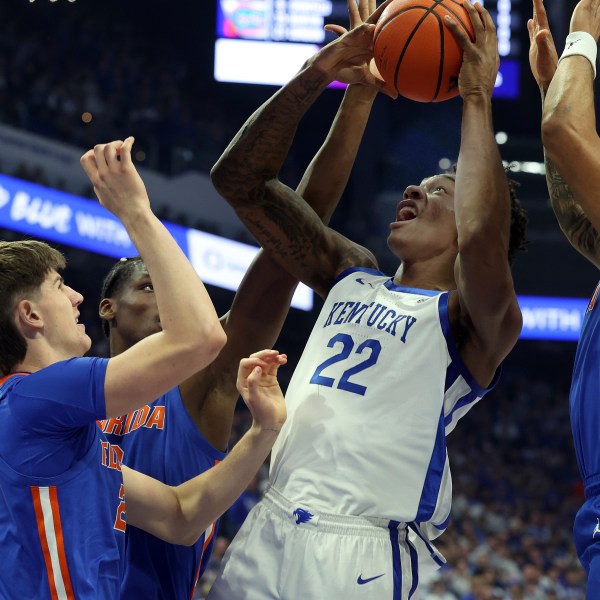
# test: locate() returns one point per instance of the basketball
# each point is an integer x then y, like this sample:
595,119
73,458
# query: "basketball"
416,53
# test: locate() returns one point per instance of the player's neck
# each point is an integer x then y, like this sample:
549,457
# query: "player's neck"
425,276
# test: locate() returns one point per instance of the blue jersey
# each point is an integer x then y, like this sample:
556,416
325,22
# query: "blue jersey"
62,509
585,398
162,441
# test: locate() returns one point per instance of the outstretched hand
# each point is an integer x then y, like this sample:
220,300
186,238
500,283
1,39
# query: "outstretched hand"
350,58
116,182
480,58
543,58
257,383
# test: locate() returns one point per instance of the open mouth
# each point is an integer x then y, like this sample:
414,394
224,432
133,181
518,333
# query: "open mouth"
407,210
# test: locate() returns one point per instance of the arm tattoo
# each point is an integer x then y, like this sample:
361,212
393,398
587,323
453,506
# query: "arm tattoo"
571,218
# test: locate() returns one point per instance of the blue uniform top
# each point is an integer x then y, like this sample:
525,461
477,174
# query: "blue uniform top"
162,441
585,398
62,510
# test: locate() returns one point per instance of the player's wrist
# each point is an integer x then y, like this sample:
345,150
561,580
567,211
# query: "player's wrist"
581,43
266,430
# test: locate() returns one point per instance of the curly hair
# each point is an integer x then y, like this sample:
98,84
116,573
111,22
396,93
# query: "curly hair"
518,218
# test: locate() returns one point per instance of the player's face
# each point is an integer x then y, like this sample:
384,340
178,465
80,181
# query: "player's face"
57,304
425,222
136,312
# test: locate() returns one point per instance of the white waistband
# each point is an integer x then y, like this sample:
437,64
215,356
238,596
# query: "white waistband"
301,513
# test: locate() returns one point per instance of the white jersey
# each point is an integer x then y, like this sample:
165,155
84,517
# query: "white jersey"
379,385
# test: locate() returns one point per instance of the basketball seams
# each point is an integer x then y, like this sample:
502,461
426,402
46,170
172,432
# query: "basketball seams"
406,45
396,51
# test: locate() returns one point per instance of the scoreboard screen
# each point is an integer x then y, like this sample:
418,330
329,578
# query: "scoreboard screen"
267,41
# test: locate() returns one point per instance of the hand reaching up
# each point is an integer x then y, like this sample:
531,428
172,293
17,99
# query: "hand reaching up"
257,383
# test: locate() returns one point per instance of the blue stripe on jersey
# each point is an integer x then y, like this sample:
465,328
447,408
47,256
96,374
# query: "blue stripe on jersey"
432,552
396,566
457,364
466,399
414,566
351,270
433,478
390,285
441,526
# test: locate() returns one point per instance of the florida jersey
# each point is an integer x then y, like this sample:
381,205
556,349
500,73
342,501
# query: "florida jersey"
379,385
162,441
62,506
585,391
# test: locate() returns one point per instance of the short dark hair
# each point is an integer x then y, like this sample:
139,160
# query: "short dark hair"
518,223
121,272
24,265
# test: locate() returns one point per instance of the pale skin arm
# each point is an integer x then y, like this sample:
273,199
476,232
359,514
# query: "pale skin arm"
486,309
179,515
570,140
246,174
191,335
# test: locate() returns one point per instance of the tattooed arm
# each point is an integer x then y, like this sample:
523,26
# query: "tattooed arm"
570,216
571,143
246,174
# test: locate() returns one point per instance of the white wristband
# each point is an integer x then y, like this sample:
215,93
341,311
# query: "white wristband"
581,43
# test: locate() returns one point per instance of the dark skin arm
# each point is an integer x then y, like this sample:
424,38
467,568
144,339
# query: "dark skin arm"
484,312
246,174
262,301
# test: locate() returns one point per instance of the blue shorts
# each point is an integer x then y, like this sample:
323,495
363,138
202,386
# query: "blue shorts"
586,531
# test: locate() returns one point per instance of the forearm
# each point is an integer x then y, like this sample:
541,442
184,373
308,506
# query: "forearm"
481,192
258,151
185,308
206,497
570,216
326,177
568,108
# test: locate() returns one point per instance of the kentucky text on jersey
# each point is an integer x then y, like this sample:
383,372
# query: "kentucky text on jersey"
380,316
147,416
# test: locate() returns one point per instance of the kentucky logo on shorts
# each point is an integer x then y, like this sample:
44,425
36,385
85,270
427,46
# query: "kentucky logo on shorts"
302,516
597,528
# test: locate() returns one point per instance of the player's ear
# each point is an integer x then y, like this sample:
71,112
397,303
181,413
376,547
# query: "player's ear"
28,315
107,309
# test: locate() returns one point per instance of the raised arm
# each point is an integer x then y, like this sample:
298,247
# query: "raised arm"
179,515
246,174
489,315
571,143
191,335
263,298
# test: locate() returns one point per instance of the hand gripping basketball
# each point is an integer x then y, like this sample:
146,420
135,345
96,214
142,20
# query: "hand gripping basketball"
414,50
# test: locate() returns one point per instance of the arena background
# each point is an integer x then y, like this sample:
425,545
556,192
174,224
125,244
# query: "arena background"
146,69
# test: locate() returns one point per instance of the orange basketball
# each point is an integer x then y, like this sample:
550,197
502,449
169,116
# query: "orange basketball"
414,50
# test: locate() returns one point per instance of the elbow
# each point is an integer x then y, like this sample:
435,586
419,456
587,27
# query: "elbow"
219,175
559,135
209,342
214,341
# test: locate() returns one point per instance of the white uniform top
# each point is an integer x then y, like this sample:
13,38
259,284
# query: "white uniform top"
379,385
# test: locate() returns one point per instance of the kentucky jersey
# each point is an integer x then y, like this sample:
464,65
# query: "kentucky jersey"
584,398
62,508
379,385
162,441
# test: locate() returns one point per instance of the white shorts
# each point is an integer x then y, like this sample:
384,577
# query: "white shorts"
287,551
